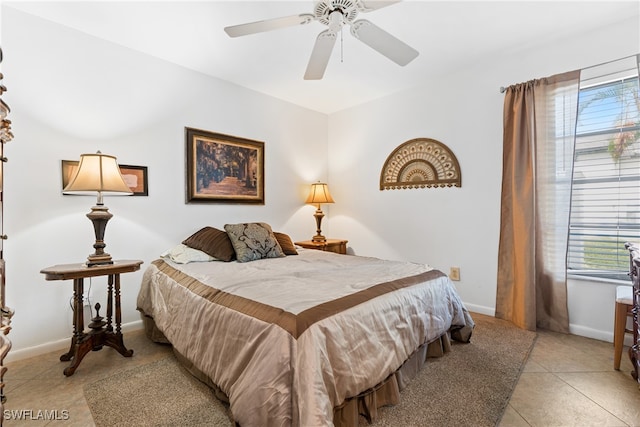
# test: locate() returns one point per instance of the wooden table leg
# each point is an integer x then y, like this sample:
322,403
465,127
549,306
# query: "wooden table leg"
114,339
81,344
109,302
69,355
80,351
78,319
118,306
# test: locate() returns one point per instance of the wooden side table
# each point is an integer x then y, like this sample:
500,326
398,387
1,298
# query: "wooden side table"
338,246
101,332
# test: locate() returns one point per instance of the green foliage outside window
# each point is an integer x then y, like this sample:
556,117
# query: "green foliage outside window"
606,253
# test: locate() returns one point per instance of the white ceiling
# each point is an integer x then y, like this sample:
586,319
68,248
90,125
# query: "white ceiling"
448,35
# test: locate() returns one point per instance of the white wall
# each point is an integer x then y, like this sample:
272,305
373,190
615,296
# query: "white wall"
70,94
456,226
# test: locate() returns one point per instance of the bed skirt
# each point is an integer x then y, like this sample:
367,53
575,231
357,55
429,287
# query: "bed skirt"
388,391
366,403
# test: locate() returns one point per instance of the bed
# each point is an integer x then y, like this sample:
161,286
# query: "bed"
294,336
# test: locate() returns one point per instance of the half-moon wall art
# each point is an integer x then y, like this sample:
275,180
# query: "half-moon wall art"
420,163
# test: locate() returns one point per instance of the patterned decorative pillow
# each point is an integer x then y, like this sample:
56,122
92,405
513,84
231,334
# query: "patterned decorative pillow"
253,241
285,243
213,242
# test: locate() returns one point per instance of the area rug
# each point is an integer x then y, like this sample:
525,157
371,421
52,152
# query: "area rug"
470,386
158,394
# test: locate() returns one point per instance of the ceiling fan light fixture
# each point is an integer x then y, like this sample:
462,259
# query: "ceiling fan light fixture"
336,21
325,8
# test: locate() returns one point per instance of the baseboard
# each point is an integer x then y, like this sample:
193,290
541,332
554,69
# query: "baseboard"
597,334
59,345
488,311
574,329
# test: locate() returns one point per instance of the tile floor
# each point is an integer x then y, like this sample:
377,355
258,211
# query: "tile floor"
567,381
570,381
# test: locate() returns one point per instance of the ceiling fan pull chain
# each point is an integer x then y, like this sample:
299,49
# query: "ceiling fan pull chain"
341,47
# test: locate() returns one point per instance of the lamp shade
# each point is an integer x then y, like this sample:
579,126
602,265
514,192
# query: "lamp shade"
98,172
319,194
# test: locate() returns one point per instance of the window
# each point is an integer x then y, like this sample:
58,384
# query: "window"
605,199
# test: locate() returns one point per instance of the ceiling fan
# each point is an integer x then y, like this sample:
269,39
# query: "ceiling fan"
336,14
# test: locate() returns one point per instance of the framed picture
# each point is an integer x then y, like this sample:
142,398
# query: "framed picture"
223,169
136,179
134,176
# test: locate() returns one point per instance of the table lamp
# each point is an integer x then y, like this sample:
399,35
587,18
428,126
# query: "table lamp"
98,173
319,194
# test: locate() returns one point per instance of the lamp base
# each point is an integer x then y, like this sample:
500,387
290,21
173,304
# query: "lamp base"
318,216
99,216
103,259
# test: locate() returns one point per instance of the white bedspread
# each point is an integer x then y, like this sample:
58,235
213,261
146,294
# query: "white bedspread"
282,337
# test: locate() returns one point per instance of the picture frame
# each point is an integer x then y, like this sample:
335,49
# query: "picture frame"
223,168
136,177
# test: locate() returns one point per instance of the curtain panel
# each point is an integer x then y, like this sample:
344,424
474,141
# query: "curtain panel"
538,142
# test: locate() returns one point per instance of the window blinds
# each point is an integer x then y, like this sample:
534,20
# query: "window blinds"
605,200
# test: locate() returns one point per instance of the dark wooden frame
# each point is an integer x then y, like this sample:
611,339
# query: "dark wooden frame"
223,169
143,181
634,275
140,171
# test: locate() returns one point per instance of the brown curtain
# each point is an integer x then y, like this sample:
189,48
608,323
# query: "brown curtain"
538,142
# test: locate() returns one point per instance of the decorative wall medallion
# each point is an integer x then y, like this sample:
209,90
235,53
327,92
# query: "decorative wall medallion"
420,163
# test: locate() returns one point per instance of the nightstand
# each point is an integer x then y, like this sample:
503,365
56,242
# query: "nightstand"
338,246
101,332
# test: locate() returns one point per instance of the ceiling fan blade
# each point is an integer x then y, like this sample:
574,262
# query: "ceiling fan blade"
368,6
320,55
268,25
383,42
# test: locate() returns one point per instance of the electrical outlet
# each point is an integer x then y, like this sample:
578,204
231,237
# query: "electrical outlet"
454,273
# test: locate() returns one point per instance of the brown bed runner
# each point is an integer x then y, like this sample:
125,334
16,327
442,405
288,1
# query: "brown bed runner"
293,324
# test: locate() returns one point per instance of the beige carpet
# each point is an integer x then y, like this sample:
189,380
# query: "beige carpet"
161,393
470,386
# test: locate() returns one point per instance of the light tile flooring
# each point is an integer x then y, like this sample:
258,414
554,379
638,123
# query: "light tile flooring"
567,381
570,381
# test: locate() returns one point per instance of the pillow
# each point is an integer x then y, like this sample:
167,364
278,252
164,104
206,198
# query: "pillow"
253,241
183,254
213,242
285,243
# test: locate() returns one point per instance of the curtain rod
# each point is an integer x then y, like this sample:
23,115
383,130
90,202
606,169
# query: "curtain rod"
503,89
